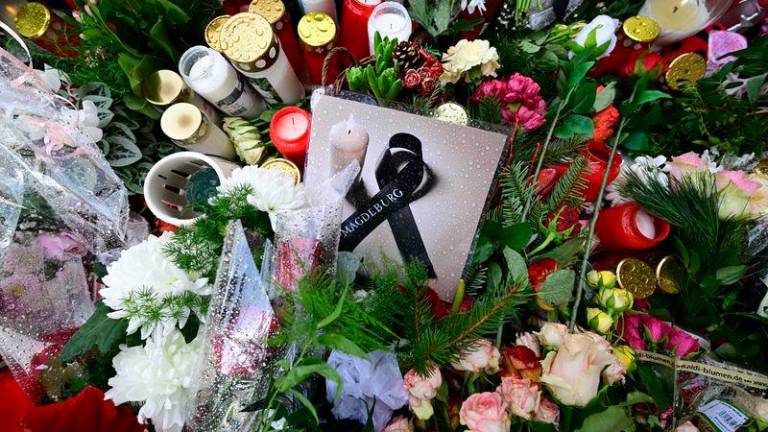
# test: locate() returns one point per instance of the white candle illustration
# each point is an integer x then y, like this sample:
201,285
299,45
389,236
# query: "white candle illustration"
325,6
349,142
211,76
389,19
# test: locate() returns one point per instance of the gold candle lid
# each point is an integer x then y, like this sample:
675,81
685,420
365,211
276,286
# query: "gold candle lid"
641,28
32,20
636,277
670,275
248,39
762,168
316,29
182,122
452,113
213,31
163,87
272,10
284,165
686,68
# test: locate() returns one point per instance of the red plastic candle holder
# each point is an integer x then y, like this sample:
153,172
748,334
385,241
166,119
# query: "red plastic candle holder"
354,25
617,229
289,131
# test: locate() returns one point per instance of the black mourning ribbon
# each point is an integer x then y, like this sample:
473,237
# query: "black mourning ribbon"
559,7
403,177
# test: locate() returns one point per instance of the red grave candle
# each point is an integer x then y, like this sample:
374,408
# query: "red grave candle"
317,32
289,131
354,25
628,227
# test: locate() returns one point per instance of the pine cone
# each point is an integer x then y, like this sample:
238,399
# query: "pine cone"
407,56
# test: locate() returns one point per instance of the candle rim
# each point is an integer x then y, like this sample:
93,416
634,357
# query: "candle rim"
387,8
283,112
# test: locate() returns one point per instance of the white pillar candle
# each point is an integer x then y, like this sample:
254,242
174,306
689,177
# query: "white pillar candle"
249,41
389,19
186,125
645,224
211,76
166,183
349,142
325,6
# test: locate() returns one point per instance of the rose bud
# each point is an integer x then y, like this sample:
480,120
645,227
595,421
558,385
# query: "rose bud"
599,321
521,362
626,356
615,300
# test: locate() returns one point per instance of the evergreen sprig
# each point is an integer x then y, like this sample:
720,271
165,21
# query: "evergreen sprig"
568,189
515,189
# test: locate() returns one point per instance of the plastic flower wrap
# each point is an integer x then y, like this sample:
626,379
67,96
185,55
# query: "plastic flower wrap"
47,152
308,238
238,325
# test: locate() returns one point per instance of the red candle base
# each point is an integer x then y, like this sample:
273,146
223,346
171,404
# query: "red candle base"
618,231
354,26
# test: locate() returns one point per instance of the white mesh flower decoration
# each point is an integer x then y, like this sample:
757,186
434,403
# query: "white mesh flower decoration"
271,190
163,375
146,287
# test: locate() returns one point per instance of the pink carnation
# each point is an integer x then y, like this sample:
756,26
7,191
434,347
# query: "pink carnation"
520,99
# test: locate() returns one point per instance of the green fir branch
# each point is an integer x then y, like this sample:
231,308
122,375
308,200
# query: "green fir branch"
516,189
568,189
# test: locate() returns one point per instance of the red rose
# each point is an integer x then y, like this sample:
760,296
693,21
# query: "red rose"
567,218
521,362
87,411
441,309
539,270
642,62
412,79
427,86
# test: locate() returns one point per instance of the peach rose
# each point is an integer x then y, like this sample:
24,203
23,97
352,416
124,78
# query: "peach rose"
737,191
399,424
485,412
482,356
552,335
685,164
547,412
572,372
521,395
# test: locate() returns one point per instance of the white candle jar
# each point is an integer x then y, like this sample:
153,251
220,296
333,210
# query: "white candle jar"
389,19
188,128
249,41
166,184
210,75
682,18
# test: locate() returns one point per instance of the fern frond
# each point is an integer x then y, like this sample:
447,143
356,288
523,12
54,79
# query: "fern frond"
568,189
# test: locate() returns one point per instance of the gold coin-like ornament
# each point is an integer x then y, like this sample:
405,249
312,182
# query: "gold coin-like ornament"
32,20
686,68
213,31
272,10
670,275
641,28
285,166
636,277
316,29
246,37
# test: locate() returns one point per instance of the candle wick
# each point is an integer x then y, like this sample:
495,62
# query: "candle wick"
349,131
293,121
674,10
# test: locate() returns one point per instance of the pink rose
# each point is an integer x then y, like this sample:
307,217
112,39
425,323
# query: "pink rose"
399,424
738,195
528,119
655,329
681,343
615,372
572,373
686,164
423,387
427,86
412,79
552,335
485,412
631,324
482,356
547,412
521,395
59,245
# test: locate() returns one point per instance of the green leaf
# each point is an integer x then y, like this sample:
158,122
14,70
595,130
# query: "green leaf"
557,288
529,47
307,404
517,236
159,35
613,419
584,98
578,74
655,384
341,343
636,397
100,331
637,141
298,374
336,312
605,98
442,17
731,274
649,96
575,125
516,264
754,86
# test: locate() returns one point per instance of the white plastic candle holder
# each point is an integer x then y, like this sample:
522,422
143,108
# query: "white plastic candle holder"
166,184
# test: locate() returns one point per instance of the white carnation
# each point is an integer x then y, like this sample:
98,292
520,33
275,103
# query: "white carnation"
146,287
163,375
272,190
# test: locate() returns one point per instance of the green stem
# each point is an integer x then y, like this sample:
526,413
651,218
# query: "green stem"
544,244
593,223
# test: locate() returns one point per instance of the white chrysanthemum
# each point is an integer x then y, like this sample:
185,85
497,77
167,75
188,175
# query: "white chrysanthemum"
272,190
146,287
467,55
645,168
163,375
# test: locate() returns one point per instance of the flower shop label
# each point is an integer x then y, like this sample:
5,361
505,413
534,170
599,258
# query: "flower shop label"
741,377
422,188
723,416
